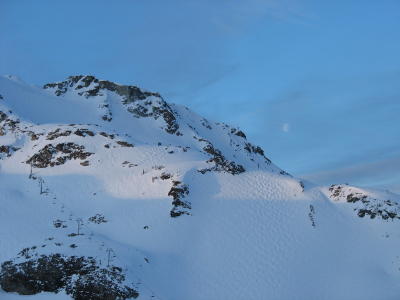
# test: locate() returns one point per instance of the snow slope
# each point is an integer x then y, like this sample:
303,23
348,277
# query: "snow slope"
187,208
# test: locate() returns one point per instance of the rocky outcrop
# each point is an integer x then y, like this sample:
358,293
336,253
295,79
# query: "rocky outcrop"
138,102
256,150
7,123
238,132
181,206
83,132
365,205
124,144
59,154
90,86
57,133
155,108
220,162
80,277
8,150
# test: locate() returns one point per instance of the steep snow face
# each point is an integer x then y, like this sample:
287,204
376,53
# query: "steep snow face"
157,202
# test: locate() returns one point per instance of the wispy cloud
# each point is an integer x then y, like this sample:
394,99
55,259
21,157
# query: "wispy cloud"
381,173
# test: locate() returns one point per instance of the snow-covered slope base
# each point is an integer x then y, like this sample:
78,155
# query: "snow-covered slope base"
109,192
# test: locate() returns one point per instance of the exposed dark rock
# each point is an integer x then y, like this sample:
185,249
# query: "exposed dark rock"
57,133
111,136
311,215
107,117
254,149
206,124
221,163
133,97
59,224
238,132
80,277
155,110
101,284
282,172
257,150
365,205
84,132
52,155
12,124
129,93
352,198
124,144
301,183
165,176
3,116
4,149
158,167
129,164
34,136
85,163
98,219
8,123
9,150
335,190
178,192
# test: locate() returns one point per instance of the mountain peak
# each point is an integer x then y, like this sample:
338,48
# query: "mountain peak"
90,86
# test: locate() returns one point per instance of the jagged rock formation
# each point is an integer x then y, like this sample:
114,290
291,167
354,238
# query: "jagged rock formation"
221,163
140,103
51,155
80,277
364,204
178,192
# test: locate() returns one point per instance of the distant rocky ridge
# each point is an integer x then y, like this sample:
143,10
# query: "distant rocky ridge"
136,101
364,204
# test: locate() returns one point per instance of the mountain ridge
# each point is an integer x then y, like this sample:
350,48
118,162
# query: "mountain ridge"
142,192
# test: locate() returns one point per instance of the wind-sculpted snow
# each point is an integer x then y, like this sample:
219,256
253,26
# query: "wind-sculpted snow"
147,199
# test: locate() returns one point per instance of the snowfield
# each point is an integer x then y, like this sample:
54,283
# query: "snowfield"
182,207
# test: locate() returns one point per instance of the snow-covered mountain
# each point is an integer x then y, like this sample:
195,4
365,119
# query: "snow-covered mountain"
108,191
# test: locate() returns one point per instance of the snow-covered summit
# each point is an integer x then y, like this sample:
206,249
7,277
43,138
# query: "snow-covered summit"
111,188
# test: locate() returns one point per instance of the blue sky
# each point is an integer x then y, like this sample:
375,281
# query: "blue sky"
315,83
